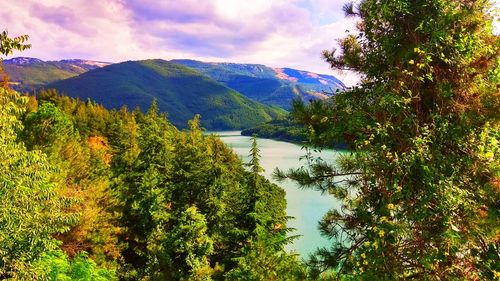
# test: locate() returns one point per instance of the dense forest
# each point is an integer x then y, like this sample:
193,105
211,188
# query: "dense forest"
88,193
94,194
101,195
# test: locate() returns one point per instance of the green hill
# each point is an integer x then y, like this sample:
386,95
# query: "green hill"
180,91
272,86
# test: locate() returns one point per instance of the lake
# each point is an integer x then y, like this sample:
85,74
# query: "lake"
306,206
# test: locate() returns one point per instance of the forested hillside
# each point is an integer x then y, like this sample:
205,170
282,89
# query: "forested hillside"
271,86
94,194
285,129
180,91
104,195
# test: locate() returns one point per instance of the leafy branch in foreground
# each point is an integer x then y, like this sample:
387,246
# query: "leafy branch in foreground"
8,44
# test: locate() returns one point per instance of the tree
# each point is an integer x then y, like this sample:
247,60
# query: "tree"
31,209
43,165
56,266
143,174
264,256
185,248
254,163
420,192
47,128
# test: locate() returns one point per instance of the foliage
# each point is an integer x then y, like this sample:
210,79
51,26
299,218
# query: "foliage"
420,193
32,210
46,126
88,193
83,175
140,197
8,44
56,266
188,247
179,171
285,130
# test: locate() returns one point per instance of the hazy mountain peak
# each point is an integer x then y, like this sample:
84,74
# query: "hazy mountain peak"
27,74
22,60
85,62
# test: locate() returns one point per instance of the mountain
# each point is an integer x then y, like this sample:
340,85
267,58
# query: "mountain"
28,74
180,91
226,83
272,86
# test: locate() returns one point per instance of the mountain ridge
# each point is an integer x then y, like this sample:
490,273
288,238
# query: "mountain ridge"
239,96
269,85
272,86
180,91
27,74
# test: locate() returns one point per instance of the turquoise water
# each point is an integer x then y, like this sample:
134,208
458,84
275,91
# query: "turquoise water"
307,206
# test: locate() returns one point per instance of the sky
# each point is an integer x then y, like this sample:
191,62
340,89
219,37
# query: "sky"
277,33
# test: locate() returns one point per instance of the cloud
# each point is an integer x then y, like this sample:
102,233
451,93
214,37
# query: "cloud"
62,16
187,11
279,33
215,28
89,29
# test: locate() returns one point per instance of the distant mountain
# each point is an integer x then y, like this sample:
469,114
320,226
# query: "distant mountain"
22,61
28,74
180,91
228,95
272,86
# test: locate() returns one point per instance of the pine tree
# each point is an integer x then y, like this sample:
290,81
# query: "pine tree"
420,192
254,164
